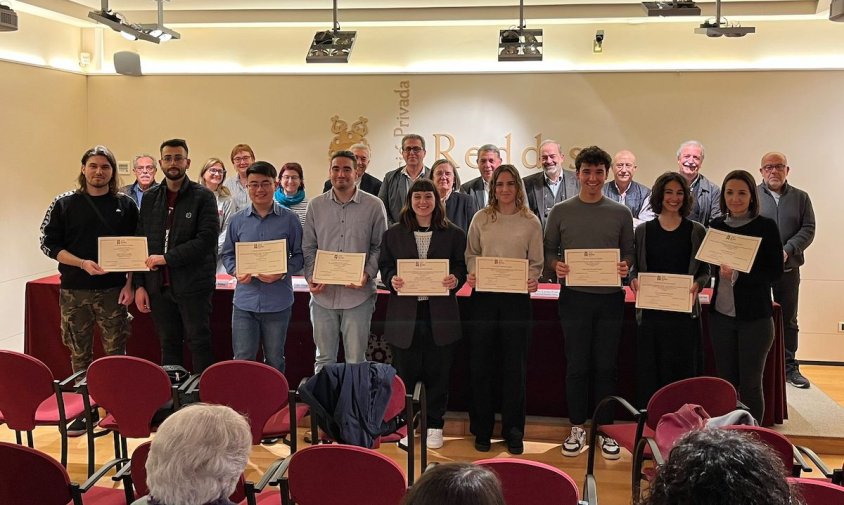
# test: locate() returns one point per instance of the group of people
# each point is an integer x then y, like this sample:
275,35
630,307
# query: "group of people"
425,213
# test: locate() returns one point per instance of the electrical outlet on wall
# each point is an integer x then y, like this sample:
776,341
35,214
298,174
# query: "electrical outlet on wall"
123,167
840,326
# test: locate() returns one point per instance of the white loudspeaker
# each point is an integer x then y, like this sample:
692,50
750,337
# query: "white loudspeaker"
127,63
836,10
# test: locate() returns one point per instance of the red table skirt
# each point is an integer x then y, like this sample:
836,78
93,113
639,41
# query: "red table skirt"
546,394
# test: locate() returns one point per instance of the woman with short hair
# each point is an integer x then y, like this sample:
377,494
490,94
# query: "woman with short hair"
212,176
459,207
290,192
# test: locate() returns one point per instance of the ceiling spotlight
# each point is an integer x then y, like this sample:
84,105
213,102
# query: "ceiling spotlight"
672,8
158,30
720,26
520,43
117,22
8,19
331,46
598,43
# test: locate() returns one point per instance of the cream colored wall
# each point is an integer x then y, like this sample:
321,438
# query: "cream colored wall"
737,115
42,135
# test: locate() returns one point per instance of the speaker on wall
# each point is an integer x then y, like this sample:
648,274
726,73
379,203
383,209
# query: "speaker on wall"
127,63
836,10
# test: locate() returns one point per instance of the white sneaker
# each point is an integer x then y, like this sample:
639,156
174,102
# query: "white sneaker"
402,443
435,438
609,448
575,442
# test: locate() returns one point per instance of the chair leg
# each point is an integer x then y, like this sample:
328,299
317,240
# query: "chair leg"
29,439
63,435
90,434
124,448
117,445
18,438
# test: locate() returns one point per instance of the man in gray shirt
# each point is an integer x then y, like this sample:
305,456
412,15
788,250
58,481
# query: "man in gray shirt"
350,221
591,316
792,209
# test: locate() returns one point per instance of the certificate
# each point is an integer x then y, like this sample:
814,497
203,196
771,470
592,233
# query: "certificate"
338,268
670,292
266,257
725,248
122,254
422,277
592,267
501,275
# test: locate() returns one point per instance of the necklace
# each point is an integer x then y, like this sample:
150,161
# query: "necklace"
424,229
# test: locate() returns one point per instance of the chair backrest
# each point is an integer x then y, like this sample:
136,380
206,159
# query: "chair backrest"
716,396
254,389
776,441
818,492
30,476
398,396
25,382
527,482
139,475
344,474
130,389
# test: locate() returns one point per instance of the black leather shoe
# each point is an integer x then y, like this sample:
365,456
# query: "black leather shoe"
482,445
515,446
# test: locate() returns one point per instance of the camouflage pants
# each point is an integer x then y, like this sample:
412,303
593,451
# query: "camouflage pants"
80,310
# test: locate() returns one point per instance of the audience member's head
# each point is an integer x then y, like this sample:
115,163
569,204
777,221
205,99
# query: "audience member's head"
456,484
198,455
721,467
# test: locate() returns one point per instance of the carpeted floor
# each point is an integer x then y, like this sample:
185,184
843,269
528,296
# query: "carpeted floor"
812,413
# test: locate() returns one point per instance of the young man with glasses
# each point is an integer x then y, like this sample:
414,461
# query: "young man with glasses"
792,209
180,221
623,189
242,156
144,168
262,302
398,181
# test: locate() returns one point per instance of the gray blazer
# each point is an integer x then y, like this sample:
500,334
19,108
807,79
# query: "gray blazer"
393,192
534,185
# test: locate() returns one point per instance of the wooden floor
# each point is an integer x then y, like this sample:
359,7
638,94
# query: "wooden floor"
613,477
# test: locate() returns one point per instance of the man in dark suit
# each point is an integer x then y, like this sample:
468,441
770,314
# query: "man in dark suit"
553,185
398,181
144,168
365,182
489,158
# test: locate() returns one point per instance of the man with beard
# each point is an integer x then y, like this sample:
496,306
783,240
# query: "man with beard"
179,220
397,182
623,189
553,185
89,295
365,182
144,168
707,195
489,158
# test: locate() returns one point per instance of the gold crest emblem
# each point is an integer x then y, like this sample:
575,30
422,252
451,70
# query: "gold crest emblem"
343,137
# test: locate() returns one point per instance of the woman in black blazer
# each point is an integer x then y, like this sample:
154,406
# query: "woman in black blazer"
423,330
459,207
740,322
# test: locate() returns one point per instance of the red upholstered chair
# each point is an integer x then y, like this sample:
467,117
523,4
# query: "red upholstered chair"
258,391
131,390
30,397
716,396
341,474
817,492
527,482
28,476
791,458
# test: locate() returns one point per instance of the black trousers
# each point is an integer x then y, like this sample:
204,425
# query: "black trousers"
786,292
667,350
180,319
592,325
428,362
500,336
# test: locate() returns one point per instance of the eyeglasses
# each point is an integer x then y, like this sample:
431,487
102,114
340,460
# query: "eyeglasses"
779,167
623,165
173,159
289,177
147,170
218,171
413,149
242,158
254,186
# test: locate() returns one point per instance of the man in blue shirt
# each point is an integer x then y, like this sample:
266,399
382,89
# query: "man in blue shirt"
144,168
262,302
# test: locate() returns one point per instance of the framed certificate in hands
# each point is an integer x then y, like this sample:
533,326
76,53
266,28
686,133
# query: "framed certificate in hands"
501,275
422,277
671,292
266,257
122,254
338,268
593,267
725,248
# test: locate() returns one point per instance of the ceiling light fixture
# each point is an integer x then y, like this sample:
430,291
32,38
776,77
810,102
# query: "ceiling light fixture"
671,8
331,46
118,23
158,30
520,43
720,26
8,19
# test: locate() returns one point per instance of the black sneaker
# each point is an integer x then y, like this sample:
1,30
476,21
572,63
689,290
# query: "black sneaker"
796,379
78,426
515,446
482,444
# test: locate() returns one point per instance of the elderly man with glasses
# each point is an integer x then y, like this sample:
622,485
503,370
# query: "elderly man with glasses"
144,168
398,181
624,190
792,209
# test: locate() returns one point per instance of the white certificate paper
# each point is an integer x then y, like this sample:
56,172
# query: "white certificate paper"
593,267
725,248
122,254
501,275
267,257
422,277
338,268
671,292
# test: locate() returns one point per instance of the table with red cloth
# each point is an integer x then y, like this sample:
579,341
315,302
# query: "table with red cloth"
546,393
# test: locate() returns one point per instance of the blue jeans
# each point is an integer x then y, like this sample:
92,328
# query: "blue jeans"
352,323
249,329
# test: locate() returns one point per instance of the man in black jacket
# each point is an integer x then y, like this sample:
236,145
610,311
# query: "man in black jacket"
179,220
